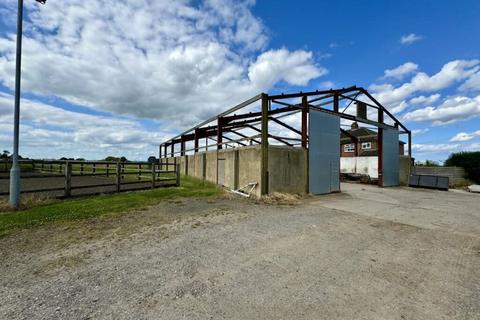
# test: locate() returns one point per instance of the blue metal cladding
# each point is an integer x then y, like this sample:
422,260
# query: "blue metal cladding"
324,152
390,158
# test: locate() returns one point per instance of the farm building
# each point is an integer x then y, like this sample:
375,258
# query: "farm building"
288,142
359,151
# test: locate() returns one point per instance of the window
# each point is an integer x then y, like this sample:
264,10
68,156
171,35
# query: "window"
350,147
366,145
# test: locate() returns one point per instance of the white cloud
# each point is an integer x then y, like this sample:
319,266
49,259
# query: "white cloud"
417,132
452,72
472,147
410,38
472,83
292,67
400,71
451,110
464,136
152,59
48,131
428,148
423,100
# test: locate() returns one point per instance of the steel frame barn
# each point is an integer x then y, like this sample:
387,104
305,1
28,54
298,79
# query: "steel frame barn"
283,119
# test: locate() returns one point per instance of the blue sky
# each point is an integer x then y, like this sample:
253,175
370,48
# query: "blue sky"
118,77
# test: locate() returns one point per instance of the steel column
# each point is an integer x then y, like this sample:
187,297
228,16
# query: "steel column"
182,146
335,102
264,167
197,136
219,133
380,149
304,121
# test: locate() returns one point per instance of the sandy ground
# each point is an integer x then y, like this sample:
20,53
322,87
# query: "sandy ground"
366,253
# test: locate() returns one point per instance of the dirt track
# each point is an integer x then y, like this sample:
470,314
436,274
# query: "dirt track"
367,253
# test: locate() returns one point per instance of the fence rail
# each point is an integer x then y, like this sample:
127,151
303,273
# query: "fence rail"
63,176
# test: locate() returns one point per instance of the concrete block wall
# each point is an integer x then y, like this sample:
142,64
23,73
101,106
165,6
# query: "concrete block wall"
236,168
287,169
456,175
404,170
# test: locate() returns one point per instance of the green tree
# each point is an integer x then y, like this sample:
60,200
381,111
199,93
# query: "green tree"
470,161
152,159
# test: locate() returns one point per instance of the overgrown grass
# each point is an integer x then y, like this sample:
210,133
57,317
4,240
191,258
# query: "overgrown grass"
100,205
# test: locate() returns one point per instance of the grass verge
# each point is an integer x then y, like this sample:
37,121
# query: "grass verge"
100,205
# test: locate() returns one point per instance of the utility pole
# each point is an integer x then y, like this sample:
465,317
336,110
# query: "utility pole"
15,171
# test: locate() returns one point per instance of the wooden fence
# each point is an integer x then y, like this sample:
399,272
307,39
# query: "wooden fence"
116,175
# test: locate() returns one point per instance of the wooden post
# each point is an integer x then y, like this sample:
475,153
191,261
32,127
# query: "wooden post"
33,165
43,165
123,170
108,169
139,171
177,169
68,179
94,167
153,175
81,169
264,167
118,177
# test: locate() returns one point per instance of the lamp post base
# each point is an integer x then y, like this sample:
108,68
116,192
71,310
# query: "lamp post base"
14,200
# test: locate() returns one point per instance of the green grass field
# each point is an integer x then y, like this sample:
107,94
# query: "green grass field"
100,205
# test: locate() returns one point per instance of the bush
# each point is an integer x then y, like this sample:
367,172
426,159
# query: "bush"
470,161
428,163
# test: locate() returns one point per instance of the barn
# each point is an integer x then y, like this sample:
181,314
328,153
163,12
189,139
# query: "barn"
287,142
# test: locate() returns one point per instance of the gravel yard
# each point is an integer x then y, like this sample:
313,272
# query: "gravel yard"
366,253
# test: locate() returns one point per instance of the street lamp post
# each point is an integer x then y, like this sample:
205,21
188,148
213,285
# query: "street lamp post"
15,171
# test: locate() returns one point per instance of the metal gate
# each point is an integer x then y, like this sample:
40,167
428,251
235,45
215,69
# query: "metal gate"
390,158
324,153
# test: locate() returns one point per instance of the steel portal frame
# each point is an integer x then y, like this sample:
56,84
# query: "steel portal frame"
252,127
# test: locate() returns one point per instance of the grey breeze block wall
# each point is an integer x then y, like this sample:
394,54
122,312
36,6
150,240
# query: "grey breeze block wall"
235,168
456,175
287,168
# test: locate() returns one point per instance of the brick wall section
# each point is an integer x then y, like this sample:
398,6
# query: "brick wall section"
365,153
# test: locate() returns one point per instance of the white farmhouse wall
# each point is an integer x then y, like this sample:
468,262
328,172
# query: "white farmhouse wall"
362,165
